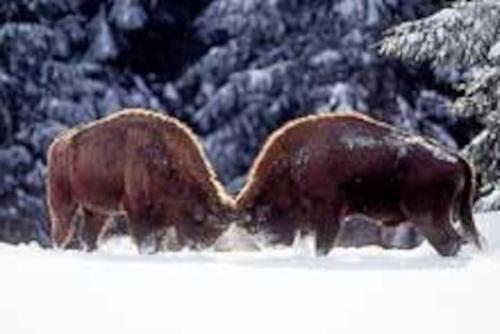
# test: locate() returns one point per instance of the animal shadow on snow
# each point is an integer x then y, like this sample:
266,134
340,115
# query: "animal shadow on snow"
301,256
422,258
393,261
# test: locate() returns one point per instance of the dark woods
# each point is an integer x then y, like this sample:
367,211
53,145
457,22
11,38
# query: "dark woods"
234,71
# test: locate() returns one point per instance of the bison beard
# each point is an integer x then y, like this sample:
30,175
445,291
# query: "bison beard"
150,167
315,171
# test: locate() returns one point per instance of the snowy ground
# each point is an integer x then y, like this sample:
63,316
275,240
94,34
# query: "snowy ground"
276,291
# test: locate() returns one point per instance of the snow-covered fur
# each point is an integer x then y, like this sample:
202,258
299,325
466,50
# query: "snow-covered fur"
317,170
150,166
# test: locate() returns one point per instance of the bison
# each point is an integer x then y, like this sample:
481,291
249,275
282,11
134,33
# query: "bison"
146,165
315,171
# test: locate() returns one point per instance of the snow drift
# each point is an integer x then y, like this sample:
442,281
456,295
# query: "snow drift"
278,290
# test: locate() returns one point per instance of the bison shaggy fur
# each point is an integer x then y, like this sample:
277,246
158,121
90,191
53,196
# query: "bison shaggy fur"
146,165
317,170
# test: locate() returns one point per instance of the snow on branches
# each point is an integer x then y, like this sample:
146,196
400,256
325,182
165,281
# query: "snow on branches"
464,37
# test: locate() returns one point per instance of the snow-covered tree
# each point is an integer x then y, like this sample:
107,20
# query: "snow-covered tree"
233,70
66,62
462,42
270,61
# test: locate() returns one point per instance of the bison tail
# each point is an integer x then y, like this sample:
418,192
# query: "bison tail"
466,199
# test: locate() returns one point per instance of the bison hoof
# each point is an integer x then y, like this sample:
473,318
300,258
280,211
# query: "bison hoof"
449,249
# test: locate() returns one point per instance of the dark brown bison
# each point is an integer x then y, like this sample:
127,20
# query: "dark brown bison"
317,170
150,167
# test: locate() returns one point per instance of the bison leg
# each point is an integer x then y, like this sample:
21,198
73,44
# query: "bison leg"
327,221
171,239
159,228
181,236
62,209
139,226
159,234
63,215
141,233
440,234
138,204
434,221
93,225
284,227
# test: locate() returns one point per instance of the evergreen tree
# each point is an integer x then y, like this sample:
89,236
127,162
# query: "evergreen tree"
462,42
66,62
234,70
270,61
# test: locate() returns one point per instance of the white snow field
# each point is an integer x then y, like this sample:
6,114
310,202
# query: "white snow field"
275,291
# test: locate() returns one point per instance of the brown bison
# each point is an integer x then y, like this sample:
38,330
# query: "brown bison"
149,166
317,170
